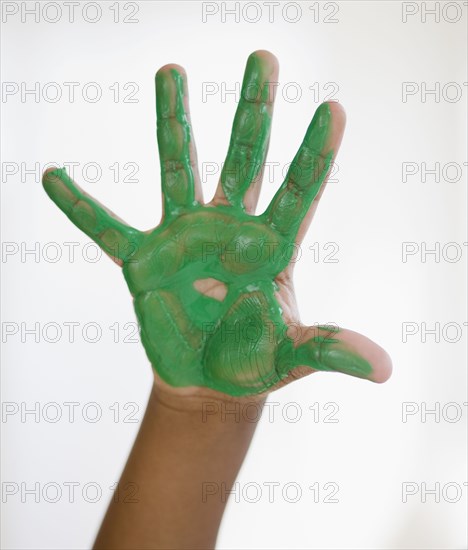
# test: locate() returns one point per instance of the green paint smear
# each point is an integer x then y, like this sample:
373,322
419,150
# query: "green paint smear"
250,133
239,345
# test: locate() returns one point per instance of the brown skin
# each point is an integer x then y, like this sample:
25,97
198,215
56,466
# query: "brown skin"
184,443
179,448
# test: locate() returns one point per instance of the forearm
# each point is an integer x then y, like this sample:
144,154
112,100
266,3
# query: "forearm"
184,444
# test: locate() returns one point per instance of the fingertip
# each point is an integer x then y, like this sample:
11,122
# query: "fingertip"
264,53
378,359
53,178
267,58
170,81
382,368
169,69
334,115
53,171
262,65
359,346
336,108
338,114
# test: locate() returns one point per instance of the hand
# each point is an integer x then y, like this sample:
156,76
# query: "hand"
212,283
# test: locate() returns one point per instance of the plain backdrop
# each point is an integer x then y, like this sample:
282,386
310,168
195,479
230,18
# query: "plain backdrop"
353,464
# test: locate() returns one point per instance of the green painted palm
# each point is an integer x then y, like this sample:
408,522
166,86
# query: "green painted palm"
212,283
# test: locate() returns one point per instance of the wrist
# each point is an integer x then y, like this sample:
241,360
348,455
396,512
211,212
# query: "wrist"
204,402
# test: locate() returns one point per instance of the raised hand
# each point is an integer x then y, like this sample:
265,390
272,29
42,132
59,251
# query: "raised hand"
212,283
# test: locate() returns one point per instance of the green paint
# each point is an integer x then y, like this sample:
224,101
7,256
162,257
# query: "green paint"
113,236
173,133
250,132
239,345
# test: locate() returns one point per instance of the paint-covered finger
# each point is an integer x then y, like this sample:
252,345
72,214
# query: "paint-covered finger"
242,171
329,348
115,237
308,171
176,148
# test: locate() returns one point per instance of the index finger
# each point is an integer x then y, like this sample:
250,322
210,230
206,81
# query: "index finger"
293,206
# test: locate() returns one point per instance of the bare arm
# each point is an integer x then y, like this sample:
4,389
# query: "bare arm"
185,458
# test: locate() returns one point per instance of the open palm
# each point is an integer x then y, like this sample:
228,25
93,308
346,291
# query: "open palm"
212,284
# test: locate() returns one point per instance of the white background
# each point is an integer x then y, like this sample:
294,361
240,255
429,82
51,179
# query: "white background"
369,212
